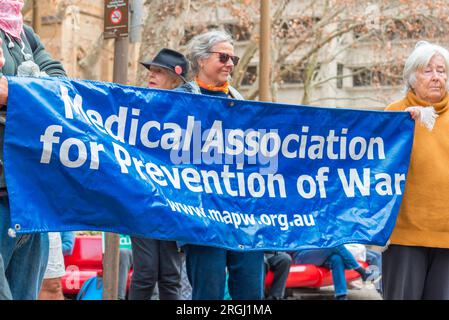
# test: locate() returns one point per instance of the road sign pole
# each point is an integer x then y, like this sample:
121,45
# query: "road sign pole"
120,74
110,267
115,17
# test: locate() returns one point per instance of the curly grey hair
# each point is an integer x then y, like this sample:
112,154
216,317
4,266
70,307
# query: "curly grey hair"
200,46
420,58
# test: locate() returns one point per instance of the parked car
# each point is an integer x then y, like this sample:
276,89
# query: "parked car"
86,262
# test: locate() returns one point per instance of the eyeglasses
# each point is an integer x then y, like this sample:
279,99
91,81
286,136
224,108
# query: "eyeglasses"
224,57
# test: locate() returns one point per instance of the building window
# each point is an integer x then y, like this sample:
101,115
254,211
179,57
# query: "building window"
289,75
361,77
292,75
239,32
339,76
294,28
377,76
402,29
250,76
396,30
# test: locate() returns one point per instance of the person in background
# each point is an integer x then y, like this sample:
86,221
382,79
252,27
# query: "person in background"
61,244
21,53
157,261
212,58
51,286
5,293
279,263
125,264
416,263
167,70
338,259
68,242
374,260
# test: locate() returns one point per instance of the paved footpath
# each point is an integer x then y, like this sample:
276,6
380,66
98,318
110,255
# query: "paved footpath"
357,291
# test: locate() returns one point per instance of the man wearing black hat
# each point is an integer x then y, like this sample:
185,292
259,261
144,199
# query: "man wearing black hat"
167,70
158,261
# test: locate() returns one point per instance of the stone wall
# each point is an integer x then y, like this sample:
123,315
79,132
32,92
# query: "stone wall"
72,32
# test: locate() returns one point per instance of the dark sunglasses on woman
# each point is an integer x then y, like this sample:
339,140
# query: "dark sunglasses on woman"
224,57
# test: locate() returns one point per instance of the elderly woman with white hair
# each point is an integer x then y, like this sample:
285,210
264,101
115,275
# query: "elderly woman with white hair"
416,264
212,59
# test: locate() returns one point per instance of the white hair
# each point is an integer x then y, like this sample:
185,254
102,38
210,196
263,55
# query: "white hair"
200,46
420,57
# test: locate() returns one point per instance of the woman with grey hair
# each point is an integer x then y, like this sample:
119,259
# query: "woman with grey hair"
212,58
416,264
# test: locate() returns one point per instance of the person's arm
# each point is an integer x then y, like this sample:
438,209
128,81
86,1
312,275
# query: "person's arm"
68,242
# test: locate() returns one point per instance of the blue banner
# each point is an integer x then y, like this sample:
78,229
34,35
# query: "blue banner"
244,175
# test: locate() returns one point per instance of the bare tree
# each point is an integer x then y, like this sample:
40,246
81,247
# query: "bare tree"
310,45
311,40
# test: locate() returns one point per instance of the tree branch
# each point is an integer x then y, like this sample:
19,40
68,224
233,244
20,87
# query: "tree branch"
252,47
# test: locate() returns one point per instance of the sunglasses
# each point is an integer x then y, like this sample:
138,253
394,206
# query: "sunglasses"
224,57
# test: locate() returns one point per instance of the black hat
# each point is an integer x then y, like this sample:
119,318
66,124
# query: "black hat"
171,60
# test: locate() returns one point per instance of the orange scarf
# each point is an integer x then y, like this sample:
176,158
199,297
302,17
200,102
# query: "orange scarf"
224,88
439,107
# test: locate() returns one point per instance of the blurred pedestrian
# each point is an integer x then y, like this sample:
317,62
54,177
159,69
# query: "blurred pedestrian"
337,259
51,286
158,262
279,263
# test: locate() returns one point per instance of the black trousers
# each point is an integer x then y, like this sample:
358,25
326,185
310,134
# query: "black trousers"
279,263
415,273
155,261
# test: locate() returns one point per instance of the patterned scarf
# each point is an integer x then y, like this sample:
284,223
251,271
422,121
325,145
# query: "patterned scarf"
224,88
11,20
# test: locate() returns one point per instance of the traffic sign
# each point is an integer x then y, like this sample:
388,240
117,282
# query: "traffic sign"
116,18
